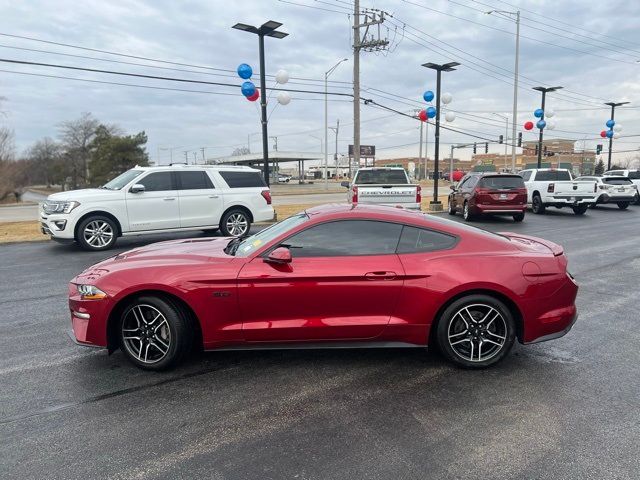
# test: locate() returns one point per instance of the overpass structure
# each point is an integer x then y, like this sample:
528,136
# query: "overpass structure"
275,159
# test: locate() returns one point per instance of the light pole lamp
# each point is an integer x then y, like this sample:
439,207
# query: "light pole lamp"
446,67
268,29
544,91
326,122
613,106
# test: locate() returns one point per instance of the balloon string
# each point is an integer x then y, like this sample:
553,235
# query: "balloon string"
272,110
271,91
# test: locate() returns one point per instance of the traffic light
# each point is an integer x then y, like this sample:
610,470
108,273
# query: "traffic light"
501,139
474,148
520,139
598,149
486,147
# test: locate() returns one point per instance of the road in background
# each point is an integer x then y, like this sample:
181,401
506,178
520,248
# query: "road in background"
562,409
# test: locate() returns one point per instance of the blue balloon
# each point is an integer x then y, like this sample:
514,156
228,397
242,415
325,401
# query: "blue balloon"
248,89
610,123
431,112
541,124
538,113
609,132
428,96
245,71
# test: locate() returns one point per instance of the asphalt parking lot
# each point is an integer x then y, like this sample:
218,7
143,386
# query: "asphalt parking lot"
562,409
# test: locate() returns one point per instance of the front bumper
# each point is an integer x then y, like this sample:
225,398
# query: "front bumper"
89,319
57,226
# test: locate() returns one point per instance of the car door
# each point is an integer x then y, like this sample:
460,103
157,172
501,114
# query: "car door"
456,195
467,189
343,283
155,208
200,203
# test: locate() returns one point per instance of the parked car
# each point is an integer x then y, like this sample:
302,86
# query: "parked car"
550,187
618,190
633,175
159,199
384,186
282,178
361,275
489,194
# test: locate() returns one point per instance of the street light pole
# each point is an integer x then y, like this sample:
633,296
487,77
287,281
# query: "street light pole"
506,137
267,29
544,91
447,67
613,106
326,122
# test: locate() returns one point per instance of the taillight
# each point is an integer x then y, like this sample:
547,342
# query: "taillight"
266,194
354,195
601,187
481,190
419,194
551,188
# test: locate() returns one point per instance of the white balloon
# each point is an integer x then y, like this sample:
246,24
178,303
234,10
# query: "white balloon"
284,98
446,98
282,77
548,113
450,116
551,124
617,127
616,134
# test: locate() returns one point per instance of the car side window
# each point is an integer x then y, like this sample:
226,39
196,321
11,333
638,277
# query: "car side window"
414,240
196,180
472,182
345,238
158,182
463,183
243,179
526,175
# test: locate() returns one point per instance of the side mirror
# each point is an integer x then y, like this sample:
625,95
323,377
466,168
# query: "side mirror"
137,188
279,256
452,187
344,184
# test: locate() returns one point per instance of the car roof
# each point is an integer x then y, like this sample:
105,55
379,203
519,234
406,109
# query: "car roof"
179,166
379,168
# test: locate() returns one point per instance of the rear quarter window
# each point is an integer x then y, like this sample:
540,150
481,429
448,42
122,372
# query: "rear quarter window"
415,240
243,179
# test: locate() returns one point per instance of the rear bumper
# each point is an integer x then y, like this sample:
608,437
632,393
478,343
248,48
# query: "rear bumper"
265,214
558,334
500,209
569,200
606,198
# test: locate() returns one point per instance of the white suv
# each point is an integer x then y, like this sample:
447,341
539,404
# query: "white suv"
633,175
157,200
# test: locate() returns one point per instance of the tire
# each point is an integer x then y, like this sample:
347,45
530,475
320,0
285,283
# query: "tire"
460,340
637,199
537,206
623,205
235,223
580,209
154,334
97,233
466,213
518,217
451,208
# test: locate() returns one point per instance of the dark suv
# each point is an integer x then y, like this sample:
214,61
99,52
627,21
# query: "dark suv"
489,194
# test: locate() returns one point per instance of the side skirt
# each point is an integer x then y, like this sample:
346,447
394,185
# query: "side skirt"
314,346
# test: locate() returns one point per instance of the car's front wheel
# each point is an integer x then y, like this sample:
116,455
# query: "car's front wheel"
452,207
235,223
466,212
476,331
97,233
623,205
154,333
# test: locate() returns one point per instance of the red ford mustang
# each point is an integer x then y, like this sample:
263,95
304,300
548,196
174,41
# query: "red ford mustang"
332,276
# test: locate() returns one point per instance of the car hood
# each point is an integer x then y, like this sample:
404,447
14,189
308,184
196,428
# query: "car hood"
93,194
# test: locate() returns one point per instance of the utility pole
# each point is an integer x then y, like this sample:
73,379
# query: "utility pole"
195,158
613,106
544,91
336,130
203,159
420,151
186,159
275,143
506,138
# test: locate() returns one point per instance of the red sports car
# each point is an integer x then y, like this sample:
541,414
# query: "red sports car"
332,276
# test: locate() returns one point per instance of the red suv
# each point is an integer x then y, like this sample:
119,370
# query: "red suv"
489,194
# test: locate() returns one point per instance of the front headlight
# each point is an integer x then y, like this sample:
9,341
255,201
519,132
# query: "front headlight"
50,207
90,292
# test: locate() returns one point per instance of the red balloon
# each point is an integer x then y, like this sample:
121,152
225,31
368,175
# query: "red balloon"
528,125
423,115
603,134
255,96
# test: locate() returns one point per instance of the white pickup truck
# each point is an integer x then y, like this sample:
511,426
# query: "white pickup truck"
551,187
384,186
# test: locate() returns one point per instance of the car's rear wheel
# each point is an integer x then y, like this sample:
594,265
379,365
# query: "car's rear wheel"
518,217
637,199
476,331
580,209
537,206
466,212
154,333
623,205
235,223
452,208
97,233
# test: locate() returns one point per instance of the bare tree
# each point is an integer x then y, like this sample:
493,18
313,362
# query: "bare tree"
240,151
8,167
45,162
76,136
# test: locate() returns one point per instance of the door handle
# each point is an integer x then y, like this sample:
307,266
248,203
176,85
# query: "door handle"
166,199
213,196
380,275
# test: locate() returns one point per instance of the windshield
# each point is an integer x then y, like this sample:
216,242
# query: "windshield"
377,177
502,182
244,247
122,180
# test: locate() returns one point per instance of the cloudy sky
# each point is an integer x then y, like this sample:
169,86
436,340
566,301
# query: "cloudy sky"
590,47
